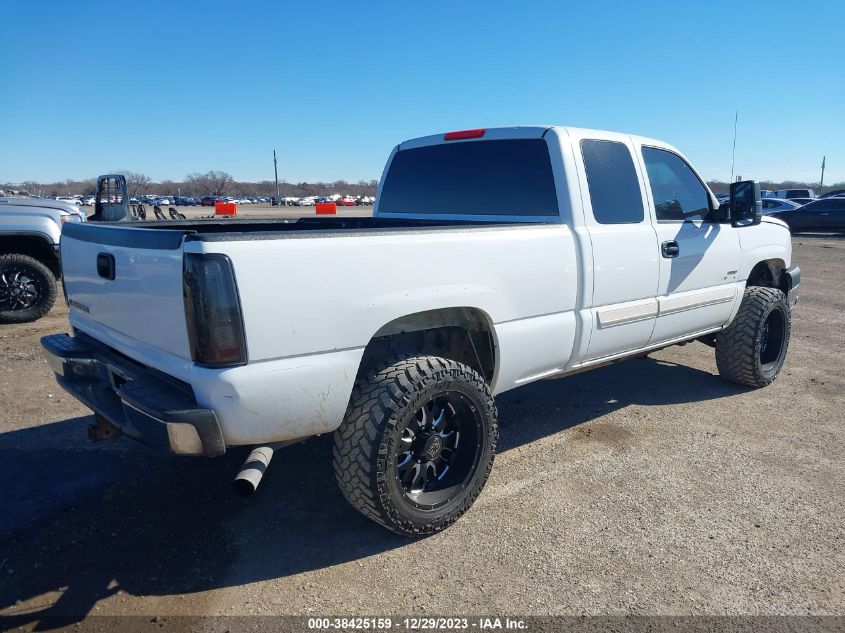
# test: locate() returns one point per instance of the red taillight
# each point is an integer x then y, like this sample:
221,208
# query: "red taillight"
457,136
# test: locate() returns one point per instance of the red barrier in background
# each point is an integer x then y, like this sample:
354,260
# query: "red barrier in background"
225,208
326,208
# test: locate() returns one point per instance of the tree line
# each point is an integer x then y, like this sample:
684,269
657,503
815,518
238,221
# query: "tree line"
717,186
210,183
219,183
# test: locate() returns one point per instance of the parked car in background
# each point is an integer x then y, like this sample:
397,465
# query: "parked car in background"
796,193
836,193
775,205
89,201
800,201
306,202
765,193
30,229
827,214
209,201
346,201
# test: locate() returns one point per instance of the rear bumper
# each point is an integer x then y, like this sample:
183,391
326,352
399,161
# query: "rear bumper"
793,279
143,404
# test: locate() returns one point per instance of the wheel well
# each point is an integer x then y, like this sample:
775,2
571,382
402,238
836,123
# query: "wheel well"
35,247
768,274
461,334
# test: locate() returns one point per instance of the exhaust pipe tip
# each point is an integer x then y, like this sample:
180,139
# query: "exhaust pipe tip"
245,487
252,472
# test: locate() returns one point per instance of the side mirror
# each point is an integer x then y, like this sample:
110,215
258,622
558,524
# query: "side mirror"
746,208
722,213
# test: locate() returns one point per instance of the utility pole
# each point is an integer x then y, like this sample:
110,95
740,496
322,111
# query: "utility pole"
276,171
733,155
821,181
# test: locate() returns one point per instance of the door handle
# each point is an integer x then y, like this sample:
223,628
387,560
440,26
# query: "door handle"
670,249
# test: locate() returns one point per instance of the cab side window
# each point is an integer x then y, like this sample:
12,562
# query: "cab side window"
614,189
678,193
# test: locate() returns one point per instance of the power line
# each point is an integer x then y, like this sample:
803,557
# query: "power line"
276,171
733,155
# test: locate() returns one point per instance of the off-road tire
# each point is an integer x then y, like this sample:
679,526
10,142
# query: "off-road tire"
44,281
738,347
367,441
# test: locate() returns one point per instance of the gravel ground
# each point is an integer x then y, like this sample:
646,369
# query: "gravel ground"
648,487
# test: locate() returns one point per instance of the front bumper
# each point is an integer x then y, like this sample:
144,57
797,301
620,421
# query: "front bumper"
145,405
793,281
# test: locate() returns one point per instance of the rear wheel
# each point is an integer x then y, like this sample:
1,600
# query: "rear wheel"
752,349
27,289
417,443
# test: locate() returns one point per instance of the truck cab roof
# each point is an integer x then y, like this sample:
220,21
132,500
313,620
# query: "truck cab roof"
527,131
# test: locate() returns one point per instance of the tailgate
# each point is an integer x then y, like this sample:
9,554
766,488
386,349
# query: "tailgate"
136,290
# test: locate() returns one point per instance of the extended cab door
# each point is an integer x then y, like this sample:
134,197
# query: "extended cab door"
699,258
625,257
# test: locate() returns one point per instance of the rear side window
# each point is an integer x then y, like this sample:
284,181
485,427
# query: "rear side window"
505,177
614,191
678,193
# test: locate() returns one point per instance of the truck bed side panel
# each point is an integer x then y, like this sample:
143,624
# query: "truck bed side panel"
304,296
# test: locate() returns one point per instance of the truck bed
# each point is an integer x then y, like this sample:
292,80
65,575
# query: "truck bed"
169,234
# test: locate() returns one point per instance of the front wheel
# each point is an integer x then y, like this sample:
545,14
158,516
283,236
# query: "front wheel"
417,443
752,349
27,289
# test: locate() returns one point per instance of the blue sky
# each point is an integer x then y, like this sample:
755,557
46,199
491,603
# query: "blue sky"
169,88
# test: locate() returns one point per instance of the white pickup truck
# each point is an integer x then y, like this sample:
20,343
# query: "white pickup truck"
494,258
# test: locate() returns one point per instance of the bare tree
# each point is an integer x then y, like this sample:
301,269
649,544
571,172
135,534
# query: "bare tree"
135,181
212,182
31,187
195,183
218,181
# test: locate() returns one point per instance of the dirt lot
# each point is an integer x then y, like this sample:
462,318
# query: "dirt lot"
648,487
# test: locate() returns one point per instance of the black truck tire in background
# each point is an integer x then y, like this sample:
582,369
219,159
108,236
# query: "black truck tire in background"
417,443
752,349
27,289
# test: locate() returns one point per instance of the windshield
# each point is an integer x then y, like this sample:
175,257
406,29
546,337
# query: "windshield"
503,177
